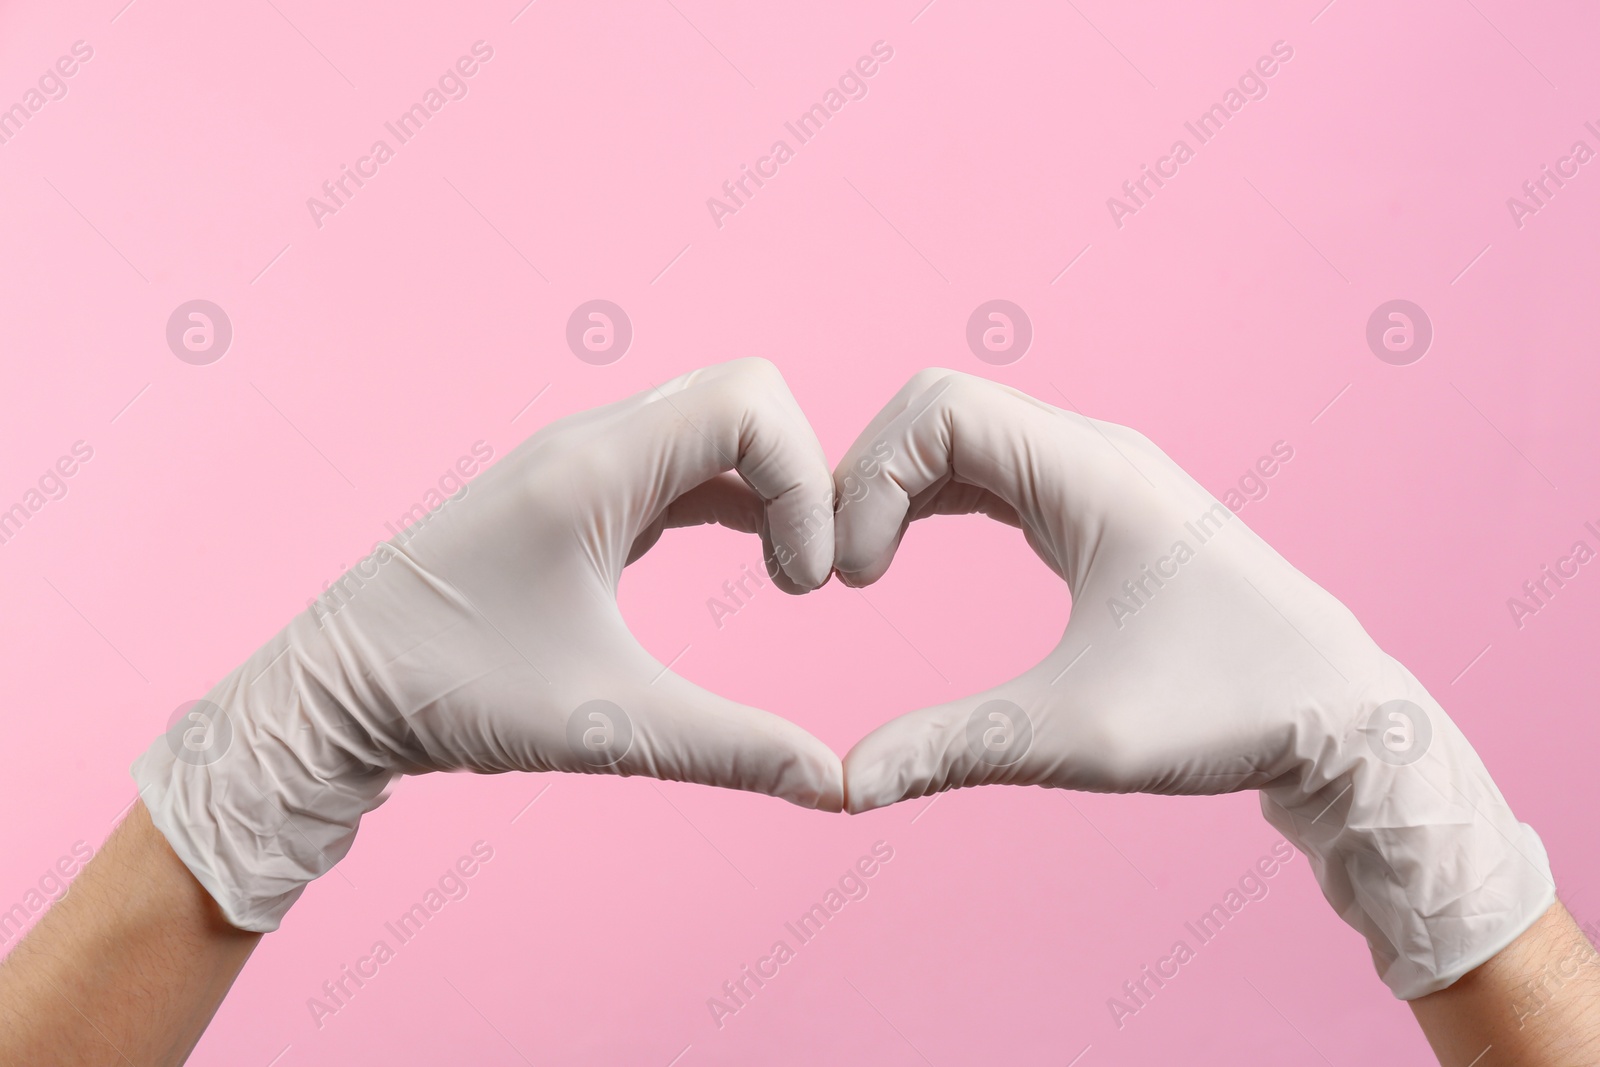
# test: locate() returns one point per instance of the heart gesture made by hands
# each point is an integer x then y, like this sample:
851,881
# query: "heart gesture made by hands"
1196,659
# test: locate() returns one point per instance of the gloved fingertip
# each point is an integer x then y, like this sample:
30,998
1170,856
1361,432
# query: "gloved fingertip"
832,799
858,802
851,564
853,579
809,574
852,803
866,788
823,790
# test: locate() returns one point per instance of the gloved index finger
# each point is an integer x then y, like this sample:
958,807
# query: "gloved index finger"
948,426
736,416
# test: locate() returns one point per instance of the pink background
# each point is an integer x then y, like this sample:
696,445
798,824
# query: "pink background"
370,353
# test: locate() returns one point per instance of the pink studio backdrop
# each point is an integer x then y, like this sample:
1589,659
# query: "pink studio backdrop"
374,344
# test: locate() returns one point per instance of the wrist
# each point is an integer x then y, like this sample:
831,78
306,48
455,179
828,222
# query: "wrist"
1532,1002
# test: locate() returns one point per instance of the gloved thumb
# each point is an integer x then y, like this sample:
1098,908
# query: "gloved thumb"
986,739
674,730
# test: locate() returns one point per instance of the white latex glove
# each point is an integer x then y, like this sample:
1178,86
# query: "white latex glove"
483,642
1196,661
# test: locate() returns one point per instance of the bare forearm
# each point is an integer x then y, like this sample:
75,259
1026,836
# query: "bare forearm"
1534,1004
128,967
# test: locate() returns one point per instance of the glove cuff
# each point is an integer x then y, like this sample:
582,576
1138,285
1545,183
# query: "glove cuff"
251,793
1416,848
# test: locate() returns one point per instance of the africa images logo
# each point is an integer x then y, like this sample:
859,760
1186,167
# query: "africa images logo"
599,332
199,332
999,332
199,732
1399,732
599,733
999,732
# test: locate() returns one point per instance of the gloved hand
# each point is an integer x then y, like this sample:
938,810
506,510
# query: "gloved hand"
1196,661
488,639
